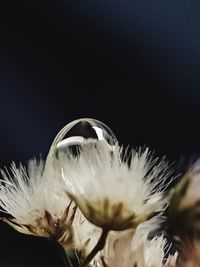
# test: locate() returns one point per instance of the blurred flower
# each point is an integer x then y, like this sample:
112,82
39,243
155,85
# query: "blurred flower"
191,181
189,253
117,251
171,261
149,253
86,235
184,207
128,249
37,202
183,222
113,193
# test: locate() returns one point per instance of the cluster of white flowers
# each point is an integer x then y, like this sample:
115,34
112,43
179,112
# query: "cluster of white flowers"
103,206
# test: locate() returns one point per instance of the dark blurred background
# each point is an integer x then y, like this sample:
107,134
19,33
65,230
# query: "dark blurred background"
132,64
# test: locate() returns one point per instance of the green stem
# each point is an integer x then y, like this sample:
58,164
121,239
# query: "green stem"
99,246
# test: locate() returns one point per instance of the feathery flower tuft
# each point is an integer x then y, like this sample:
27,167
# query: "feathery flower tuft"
37,202
143,251
111,193
86,235
117,251
127,249
189,253
184,208
104,206
183,223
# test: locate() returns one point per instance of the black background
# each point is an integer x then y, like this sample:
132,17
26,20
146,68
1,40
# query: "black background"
132,64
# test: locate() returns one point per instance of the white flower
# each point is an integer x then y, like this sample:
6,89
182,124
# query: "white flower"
127,249
110,192
149,253
189,255
183,222
86,235
192,181
172,261
37,202
117,251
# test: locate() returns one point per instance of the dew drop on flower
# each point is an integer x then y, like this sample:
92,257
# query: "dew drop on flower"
70,138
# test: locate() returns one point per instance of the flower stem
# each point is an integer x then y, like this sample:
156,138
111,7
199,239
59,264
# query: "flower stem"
99,246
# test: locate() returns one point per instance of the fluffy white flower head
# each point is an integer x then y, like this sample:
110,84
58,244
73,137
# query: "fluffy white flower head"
192,181
150,253
37,202
128,249
86,234
111,193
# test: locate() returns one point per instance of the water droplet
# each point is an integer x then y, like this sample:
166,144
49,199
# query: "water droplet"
70,138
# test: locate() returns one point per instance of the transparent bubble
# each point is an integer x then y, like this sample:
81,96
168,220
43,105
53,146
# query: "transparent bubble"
70,138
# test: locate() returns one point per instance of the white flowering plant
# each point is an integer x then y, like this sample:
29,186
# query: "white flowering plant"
105,206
